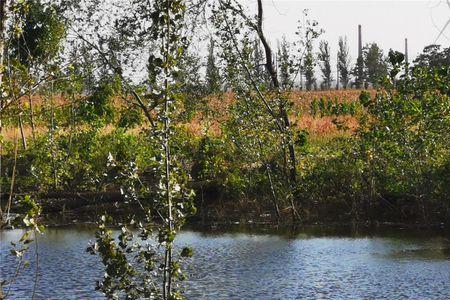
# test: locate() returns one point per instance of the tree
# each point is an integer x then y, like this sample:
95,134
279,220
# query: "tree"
309,65
403,139
255,24
374,63
259,71
235,36
344,62
285,64
433,57
213,79
190,76
358,73
158,28
307,32
325,65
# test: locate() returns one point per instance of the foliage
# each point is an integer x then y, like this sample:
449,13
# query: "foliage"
130,117
133,262
403,139
39,32
433,57
98,107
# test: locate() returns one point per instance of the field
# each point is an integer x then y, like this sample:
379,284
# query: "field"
318,126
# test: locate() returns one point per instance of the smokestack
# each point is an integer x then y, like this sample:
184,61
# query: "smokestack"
406,51
359,41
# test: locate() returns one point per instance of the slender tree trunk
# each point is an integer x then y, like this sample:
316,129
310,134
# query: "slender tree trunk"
4,8
33,127
22,133
273,194
168,252
52,141
13,178
72,123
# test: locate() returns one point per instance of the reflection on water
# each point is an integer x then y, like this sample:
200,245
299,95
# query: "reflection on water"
315,263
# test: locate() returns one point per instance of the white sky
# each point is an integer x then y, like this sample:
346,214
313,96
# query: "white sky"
386,22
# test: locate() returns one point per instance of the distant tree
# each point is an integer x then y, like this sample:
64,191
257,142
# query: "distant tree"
307,32
213,80
343,62
358,73
324,64
375,64
433,56
189,73
284,64
308,67
259,70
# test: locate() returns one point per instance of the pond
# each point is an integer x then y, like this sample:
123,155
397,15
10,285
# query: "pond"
236,264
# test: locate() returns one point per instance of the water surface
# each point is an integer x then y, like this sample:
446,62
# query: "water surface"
233,265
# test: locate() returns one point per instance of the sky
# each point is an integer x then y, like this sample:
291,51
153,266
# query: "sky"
385,22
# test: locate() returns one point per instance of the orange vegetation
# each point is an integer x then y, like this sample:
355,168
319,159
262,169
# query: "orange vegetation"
216,113
301,117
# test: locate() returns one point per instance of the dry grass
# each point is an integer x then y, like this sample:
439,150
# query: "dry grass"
319,126
218,106
325,126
